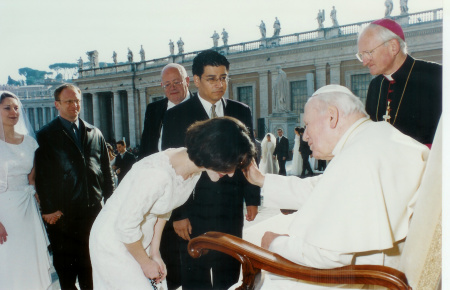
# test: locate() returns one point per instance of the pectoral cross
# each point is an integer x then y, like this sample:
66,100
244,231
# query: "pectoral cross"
387,117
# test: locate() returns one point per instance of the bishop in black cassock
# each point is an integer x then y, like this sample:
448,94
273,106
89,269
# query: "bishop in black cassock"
407,92
416,98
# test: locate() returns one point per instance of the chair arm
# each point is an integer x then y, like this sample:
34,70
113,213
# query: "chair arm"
254,259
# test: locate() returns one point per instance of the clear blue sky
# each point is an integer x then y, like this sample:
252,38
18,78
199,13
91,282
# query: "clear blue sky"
36,34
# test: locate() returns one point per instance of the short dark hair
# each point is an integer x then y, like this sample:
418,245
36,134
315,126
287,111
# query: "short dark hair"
221,144
302,130
62,87
208,57
7,94
298,129
121,142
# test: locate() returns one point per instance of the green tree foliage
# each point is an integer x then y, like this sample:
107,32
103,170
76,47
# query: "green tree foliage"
33,76
13,82
67,70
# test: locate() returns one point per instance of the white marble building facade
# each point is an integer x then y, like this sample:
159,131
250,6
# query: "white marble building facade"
115,97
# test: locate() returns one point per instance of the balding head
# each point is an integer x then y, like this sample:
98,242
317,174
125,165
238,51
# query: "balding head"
175,81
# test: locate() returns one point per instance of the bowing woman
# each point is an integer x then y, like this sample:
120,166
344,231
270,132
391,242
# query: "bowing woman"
125,238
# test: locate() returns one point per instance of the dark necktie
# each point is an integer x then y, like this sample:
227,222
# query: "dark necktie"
76,134
213,111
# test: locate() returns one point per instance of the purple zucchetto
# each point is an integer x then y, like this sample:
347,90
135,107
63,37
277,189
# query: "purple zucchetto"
391,25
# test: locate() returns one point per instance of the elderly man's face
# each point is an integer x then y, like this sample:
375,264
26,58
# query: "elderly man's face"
176,90
379,57
317,131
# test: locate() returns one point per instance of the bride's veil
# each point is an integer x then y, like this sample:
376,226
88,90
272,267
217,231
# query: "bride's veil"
264,144
23,126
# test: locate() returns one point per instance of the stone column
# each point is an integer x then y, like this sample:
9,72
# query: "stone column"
321,75
131,118
44,115
309,84
335,73
263,94
82,107
36,121
143,104
118,131
96,109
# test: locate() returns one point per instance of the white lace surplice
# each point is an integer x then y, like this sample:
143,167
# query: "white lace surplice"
24,259
150,190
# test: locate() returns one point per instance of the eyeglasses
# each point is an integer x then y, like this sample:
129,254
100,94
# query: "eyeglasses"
215,81
368,54
175,83
70,102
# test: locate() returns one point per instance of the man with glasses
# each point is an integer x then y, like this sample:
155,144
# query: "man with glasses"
407,92
73,175
213,206
175,82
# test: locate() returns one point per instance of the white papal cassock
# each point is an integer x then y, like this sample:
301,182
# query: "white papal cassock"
358,211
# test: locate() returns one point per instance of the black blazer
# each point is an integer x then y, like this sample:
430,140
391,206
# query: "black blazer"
282,148
304,147
125,163
215,205
152,127
67,178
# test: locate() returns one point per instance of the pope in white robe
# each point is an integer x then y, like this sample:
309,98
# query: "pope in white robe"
358,211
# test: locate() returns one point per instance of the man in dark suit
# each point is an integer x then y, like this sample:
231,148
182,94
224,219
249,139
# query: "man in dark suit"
72,176
175,82
124,160
305,151
281,151
214,206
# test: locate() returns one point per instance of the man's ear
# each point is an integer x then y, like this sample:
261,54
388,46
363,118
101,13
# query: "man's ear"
197,80
333,113
394,46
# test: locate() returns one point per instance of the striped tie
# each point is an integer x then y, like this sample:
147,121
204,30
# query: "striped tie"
213,111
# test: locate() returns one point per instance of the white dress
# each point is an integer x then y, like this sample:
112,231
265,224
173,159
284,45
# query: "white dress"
297,161
150,190
24,259
268,164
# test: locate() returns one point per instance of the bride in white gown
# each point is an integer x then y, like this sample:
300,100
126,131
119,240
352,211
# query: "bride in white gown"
268,163
125,238
24,259
297,161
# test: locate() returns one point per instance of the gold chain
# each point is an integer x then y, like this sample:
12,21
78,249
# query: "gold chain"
401,98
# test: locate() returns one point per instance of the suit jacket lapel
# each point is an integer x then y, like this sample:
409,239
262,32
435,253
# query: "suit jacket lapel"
197,108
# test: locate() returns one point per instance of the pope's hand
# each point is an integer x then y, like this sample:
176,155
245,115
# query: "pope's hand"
253,175
268,238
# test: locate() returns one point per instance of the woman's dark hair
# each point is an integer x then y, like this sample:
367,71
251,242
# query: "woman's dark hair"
221,144
6,94
297,129
268,136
